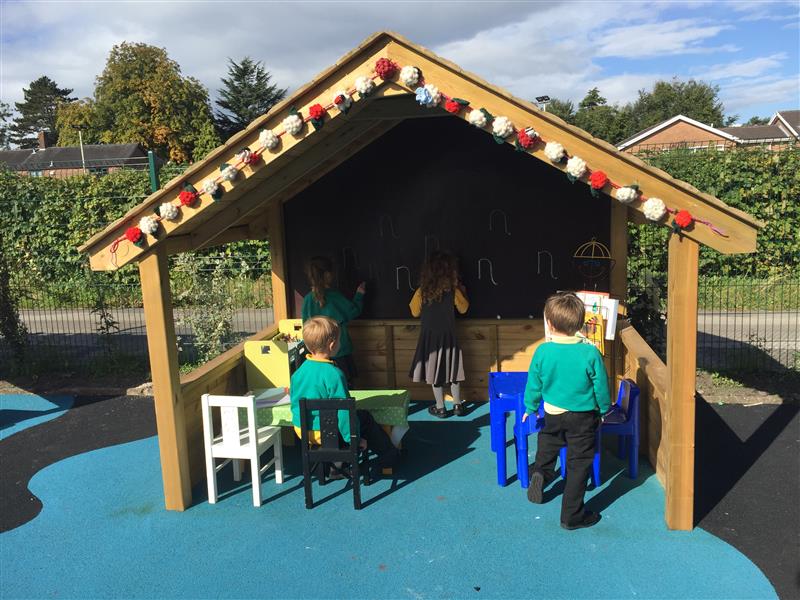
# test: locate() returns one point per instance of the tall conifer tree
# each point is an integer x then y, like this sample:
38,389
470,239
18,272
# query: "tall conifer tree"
38,112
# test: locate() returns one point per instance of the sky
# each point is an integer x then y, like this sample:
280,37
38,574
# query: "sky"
561,49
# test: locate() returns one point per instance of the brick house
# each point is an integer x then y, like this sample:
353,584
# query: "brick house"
683,132
55,161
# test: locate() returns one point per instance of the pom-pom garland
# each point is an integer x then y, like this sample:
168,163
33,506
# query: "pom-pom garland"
168,211
409,76
427,95
502,127
627,194
342,101
293,124
364,86
268,140
148,225
386,68
576,168
654,209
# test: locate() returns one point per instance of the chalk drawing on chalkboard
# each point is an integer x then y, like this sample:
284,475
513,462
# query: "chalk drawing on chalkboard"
491,269
350,252
408,277
383,219
505,220
432,238
539,263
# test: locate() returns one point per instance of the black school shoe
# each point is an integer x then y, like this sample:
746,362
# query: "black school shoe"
589,518
536,487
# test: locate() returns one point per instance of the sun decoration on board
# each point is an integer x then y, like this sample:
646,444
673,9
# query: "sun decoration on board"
593,260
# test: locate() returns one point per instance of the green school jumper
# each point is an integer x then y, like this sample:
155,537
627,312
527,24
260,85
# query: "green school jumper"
316,379
569,376
338,308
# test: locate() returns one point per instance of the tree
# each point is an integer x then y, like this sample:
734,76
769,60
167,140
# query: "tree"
79,115
142,97
562,108
5,118
245,95
756,120
38,111
599,119
695,99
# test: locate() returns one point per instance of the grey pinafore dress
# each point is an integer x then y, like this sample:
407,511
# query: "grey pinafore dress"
438,360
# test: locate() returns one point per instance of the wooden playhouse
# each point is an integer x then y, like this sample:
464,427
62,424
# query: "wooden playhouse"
384,156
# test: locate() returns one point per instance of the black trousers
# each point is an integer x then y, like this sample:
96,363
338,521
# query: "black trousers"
378,440
577,431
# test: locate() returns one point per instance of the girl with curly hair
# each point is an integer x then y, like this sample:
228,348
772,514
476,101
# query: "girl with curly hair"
438,360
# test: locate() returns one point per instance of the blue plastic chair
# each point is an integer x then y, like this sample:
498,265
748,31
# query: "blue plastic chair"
623,421
506,394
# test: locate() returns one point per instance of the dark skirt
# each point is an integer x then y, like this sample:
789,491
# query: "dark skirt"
437,360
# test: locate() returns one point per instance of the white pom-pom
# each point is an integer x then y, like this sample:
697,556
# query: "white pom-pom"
244,155
167,211
210,187
654,209
576,167
502,127
409,76
148,225
436,96
477,118
344,100
626,195
293,124
554,151
229,173
364,85
268,139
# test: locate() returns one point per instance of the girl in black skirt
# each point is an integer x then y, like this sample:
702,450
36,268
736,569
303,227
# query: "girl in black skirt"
438,360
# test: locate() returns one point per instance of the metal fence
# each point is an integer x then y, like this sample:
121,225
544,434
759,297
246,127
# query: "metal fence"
744,322
715,145
97,325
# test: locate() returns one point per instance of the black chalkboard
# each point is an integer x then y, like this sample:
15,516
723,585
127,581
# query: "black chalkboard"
513,221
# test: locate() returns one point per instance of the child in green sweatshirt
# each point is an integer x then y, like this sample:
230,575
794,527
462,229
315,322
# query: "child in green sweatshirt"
569,376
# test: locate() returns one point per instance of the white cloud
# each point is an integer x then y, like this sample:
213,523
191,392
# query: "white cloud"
744,68
743,95
679,36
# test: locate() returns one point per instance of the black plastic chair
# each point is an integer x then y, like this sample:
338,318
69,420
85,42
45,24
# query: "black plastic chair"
316,458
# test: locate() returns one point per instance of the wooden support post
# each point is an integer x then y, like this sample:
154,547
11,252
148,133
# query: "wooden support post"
277,249
163,351
681,364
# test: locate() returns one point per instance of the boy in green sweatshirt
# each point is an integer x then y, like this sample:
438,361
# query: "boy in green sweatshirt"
319,377
570,378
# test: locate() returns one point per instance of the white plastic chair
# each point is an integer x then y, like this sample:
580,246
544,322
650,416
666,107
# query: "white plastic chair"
236,443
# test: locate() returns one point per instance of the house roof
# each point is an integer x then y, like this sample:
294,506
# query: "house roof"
790,119
95,155
13,158
645,133
756,132
299,160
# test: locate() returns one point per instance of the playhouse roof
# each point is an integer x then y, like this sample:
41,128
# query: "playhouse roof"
299,160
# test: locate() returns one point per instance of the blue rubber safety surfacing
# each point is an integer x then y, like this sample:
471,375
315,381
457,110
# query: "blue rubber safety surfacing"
20,411
450,532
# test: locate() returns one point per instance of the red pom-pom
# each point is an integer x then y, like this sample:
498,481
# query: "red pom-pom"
133,234
339,99
317,111
598,180
525,139
452,106
253,158
684,218
188,198
386,68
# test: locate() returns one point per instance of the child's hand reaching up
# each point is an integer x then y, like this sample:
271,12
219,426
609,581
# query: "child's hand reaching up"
362,287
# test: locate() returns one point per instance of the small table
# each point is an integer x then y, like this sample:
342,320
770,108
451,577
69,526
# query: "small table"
389,407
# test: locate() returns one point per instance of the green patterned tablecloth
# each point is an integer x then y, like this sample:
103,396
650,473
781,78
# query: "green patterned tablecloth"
389,407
